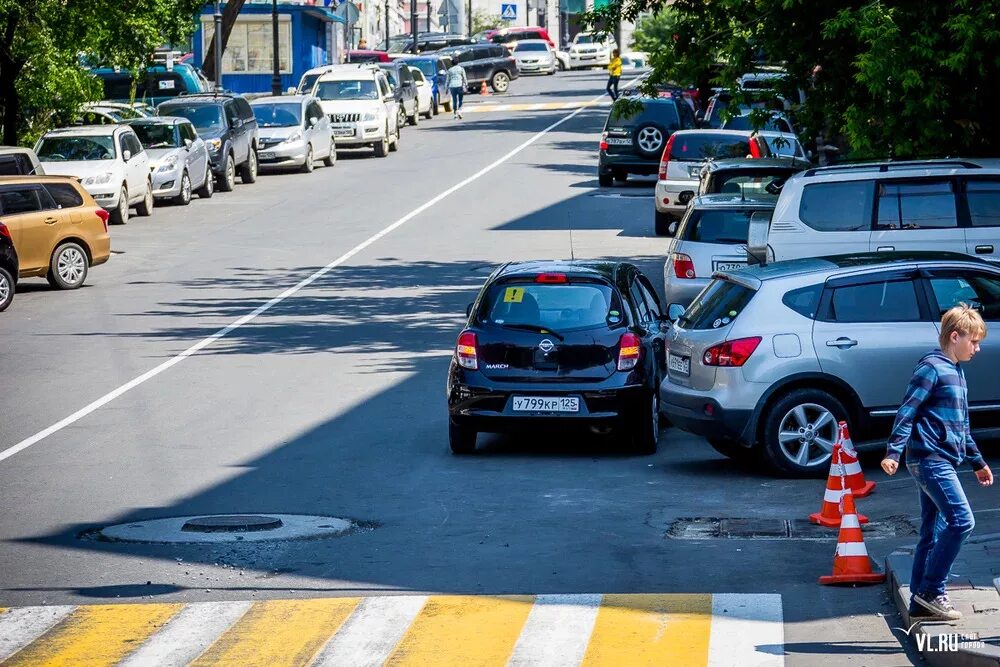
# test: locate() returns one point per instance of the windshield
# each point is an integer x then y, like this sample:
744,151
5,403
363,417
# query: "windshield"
530,46
558,308
68,149
583,39
346,90
279,114
730,227
744,123
205,118
157,135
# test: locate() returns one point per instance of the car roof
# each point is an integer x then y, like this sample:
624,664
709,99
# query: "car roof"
87,130
727,200
578,268
158,120
734,163
38,178
14,149
850,262
533,41
911,168
733,134
276,99
359,74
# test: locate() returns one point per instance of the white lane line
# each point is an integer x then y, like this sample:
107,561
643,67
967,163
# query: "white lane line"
368,637
747,631
20,627
187,635
557,631
305,282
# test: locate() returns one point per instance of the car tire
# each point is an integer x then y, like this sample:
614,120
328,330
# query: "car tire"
415,118
307,165
68,266
227,181
119,216
734,450
605,180
382,147
248,170
662,222
430,111
500,82
461,439
207,188
649,140
7,288
435,106
331,159
645,433
145,207
184,198
813,403
394,144
400,117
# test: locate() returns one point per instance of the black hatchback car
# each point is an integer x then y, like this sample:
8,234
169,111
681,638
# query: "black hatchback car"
8,267
633,143
560,344
404,89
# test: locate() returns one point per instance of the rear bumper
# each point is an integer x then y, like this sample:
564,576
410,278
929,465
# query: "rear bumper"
703,415
633,164
673,196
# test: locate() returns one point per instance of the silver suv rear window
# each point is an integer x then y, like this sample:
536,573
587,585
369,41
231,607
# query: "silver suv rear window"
717,306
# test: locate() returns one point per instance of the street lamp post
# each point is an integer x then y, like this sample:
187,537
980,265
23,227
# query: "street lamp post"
217,22
428,15
386,25
414,27
469,17
276,61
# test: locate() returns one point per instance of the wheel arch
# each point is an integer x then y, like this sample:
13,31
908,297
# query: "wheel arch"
73,239
822,381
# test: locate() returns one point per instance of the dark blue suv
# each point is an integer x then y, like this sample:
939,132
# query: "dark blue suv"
434,69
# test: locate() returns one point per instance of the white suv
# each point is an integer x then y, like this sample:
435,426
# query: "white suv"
110,162
590,50
361,108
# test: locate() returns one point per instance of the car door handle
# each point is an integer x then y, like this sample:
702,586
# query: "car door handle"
984,249
51,221
842,342
885,248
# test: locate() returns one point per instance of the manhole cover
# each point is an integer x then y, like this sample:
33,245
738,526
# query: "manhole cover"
707,528
231,523
208,529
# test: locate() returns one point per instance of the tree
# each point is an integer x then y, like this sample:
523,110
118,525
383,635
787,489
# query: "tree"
485,21
653,30
229,14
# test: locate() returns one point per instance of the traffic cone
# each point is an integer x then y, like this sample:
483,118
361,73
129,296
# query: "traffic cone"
483,90
854,478
829,513
851,564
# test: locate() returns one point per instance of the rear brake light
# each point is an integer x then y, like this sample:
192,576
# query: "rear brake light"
103,215
465,351
731,353
754,148
665,158
628,356
551,278
604,141
4,231
683,266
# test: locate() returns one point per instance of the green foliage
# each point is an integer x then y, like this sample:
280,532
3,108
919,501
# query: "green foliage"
485,21
654,30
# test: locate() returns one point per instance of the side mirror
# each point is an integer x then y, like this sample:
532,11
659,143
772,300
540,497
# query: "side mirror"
468,309
760,223
237,122
127,155
674,311
290,90
188,143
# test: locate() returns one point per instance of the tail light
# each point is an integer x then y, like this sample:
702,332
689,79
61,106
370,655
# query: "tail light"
683,266
754,148
551,278
628,356
665,158
604,141
465,351
103,215
731,353
4,231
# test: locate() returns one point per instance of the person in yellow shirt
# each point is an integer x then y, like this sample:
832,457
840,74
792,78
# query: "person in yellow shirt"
614,74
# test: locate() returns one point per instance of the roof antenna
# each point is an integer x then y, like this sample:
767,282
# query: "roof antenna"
572,257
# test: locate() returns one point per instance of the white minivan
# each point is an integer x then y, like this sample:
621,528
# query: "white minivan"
946,205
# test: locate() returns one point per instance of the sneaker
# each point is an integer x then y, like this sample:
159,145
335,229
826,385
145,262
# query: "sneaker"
939,606
917,612
459,114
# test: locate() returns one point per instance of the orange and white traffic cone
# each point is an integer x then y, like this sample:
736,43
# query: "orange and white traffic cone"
483,89
851,564
829,513
854,478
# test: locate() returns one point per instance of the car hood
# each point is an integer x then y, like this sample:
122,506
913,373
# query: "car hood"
350,106
280,133
81,168
160,155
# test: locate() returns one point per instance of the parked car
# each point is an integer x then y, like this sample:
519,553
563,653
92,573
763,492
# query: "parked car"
590,50
425,97
559,344
19,161
777,122
125,110
785,145
294,132
762,177
491,63
685,154
157,85
178,158
535,56
8,268
227,124
434,68
712,236
767,360
511,37
404,89
110,162
427,42
947,205
362,109
367,56
634,60
57,228
93,115
633,144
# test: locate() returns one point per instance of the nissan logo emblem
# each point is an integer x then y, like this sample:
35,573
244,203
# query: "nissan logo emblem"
546,345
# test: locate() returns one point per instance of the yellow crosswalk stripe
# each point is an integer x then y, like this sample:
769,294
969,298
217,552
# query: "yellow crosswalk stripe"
97,635
463,630
651,630
279,632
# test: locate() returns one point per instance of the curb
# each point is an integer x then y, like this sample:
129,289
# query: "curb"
933,634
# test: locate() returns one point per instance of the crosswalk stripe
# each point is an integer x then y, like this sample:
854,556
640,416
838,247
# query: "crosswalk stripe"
96,635
544,106
187,634
373,630
651,630
557,631
20,627
747,631
279,632
463,630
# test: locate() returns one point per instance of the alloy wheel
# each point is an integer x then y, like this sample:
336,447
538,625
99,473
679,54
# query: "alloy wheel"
649,139
807,433
5,288
71,265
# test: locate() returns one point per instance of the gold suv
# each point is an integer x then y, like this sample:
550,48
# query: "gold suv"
58,229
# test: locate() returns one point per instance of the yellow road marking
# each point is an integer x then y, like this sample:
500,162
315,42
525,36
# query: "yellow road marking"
463,630
97,635
279,632
651,630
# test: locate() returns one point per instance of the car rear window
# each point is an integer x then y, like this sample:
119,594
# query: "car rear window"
719,304
748,183
557,307
712,226
704,146
660,111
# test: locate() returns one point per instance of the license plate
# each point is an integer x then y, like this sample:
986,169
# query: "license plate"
546,404
266,156
727,266
588,57
343,133
680,365
619,141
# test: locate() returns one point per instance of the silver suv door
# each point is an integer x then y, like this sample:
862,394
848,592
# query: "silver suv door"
982,236
870,332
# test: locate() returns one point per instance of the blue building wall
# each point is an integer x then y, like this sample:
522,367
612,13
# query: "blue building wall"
309,45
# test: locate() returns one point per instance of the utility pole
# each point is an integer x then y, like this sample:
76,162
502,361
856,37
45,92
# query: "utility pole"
414,27
217,22
386,25
276,59
428,15
470,19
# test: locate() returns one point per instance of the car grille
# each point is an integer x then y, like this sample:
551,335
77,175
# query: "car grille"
267,143
345,117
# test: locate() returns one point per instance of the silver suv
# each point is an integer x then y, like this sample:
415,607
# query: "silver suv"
768,359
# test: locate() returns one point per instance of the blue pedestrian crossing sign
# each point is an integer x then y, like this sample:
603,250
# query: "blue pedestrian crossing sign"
508,12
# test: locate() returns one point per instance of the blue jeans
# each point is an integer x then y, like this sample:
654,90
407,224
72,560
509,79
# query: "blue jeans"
945,521
457,95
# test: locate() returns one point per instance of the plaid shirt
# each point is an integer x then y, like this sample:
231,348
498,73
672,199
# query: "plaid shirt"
934,417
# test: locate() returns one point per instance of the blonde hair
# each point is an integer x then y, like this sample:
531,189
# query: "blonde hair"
965,320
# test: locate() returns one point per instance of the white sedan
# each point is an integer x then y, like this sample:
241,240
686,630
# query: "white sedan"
425,95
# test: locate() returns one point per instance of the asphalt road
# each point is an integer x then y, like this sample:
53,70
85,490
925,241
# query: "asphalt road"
330,401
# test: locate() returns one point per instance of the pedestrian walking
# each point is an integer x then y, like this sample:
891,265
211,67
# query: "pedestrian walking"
614,74
457,82
932,425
